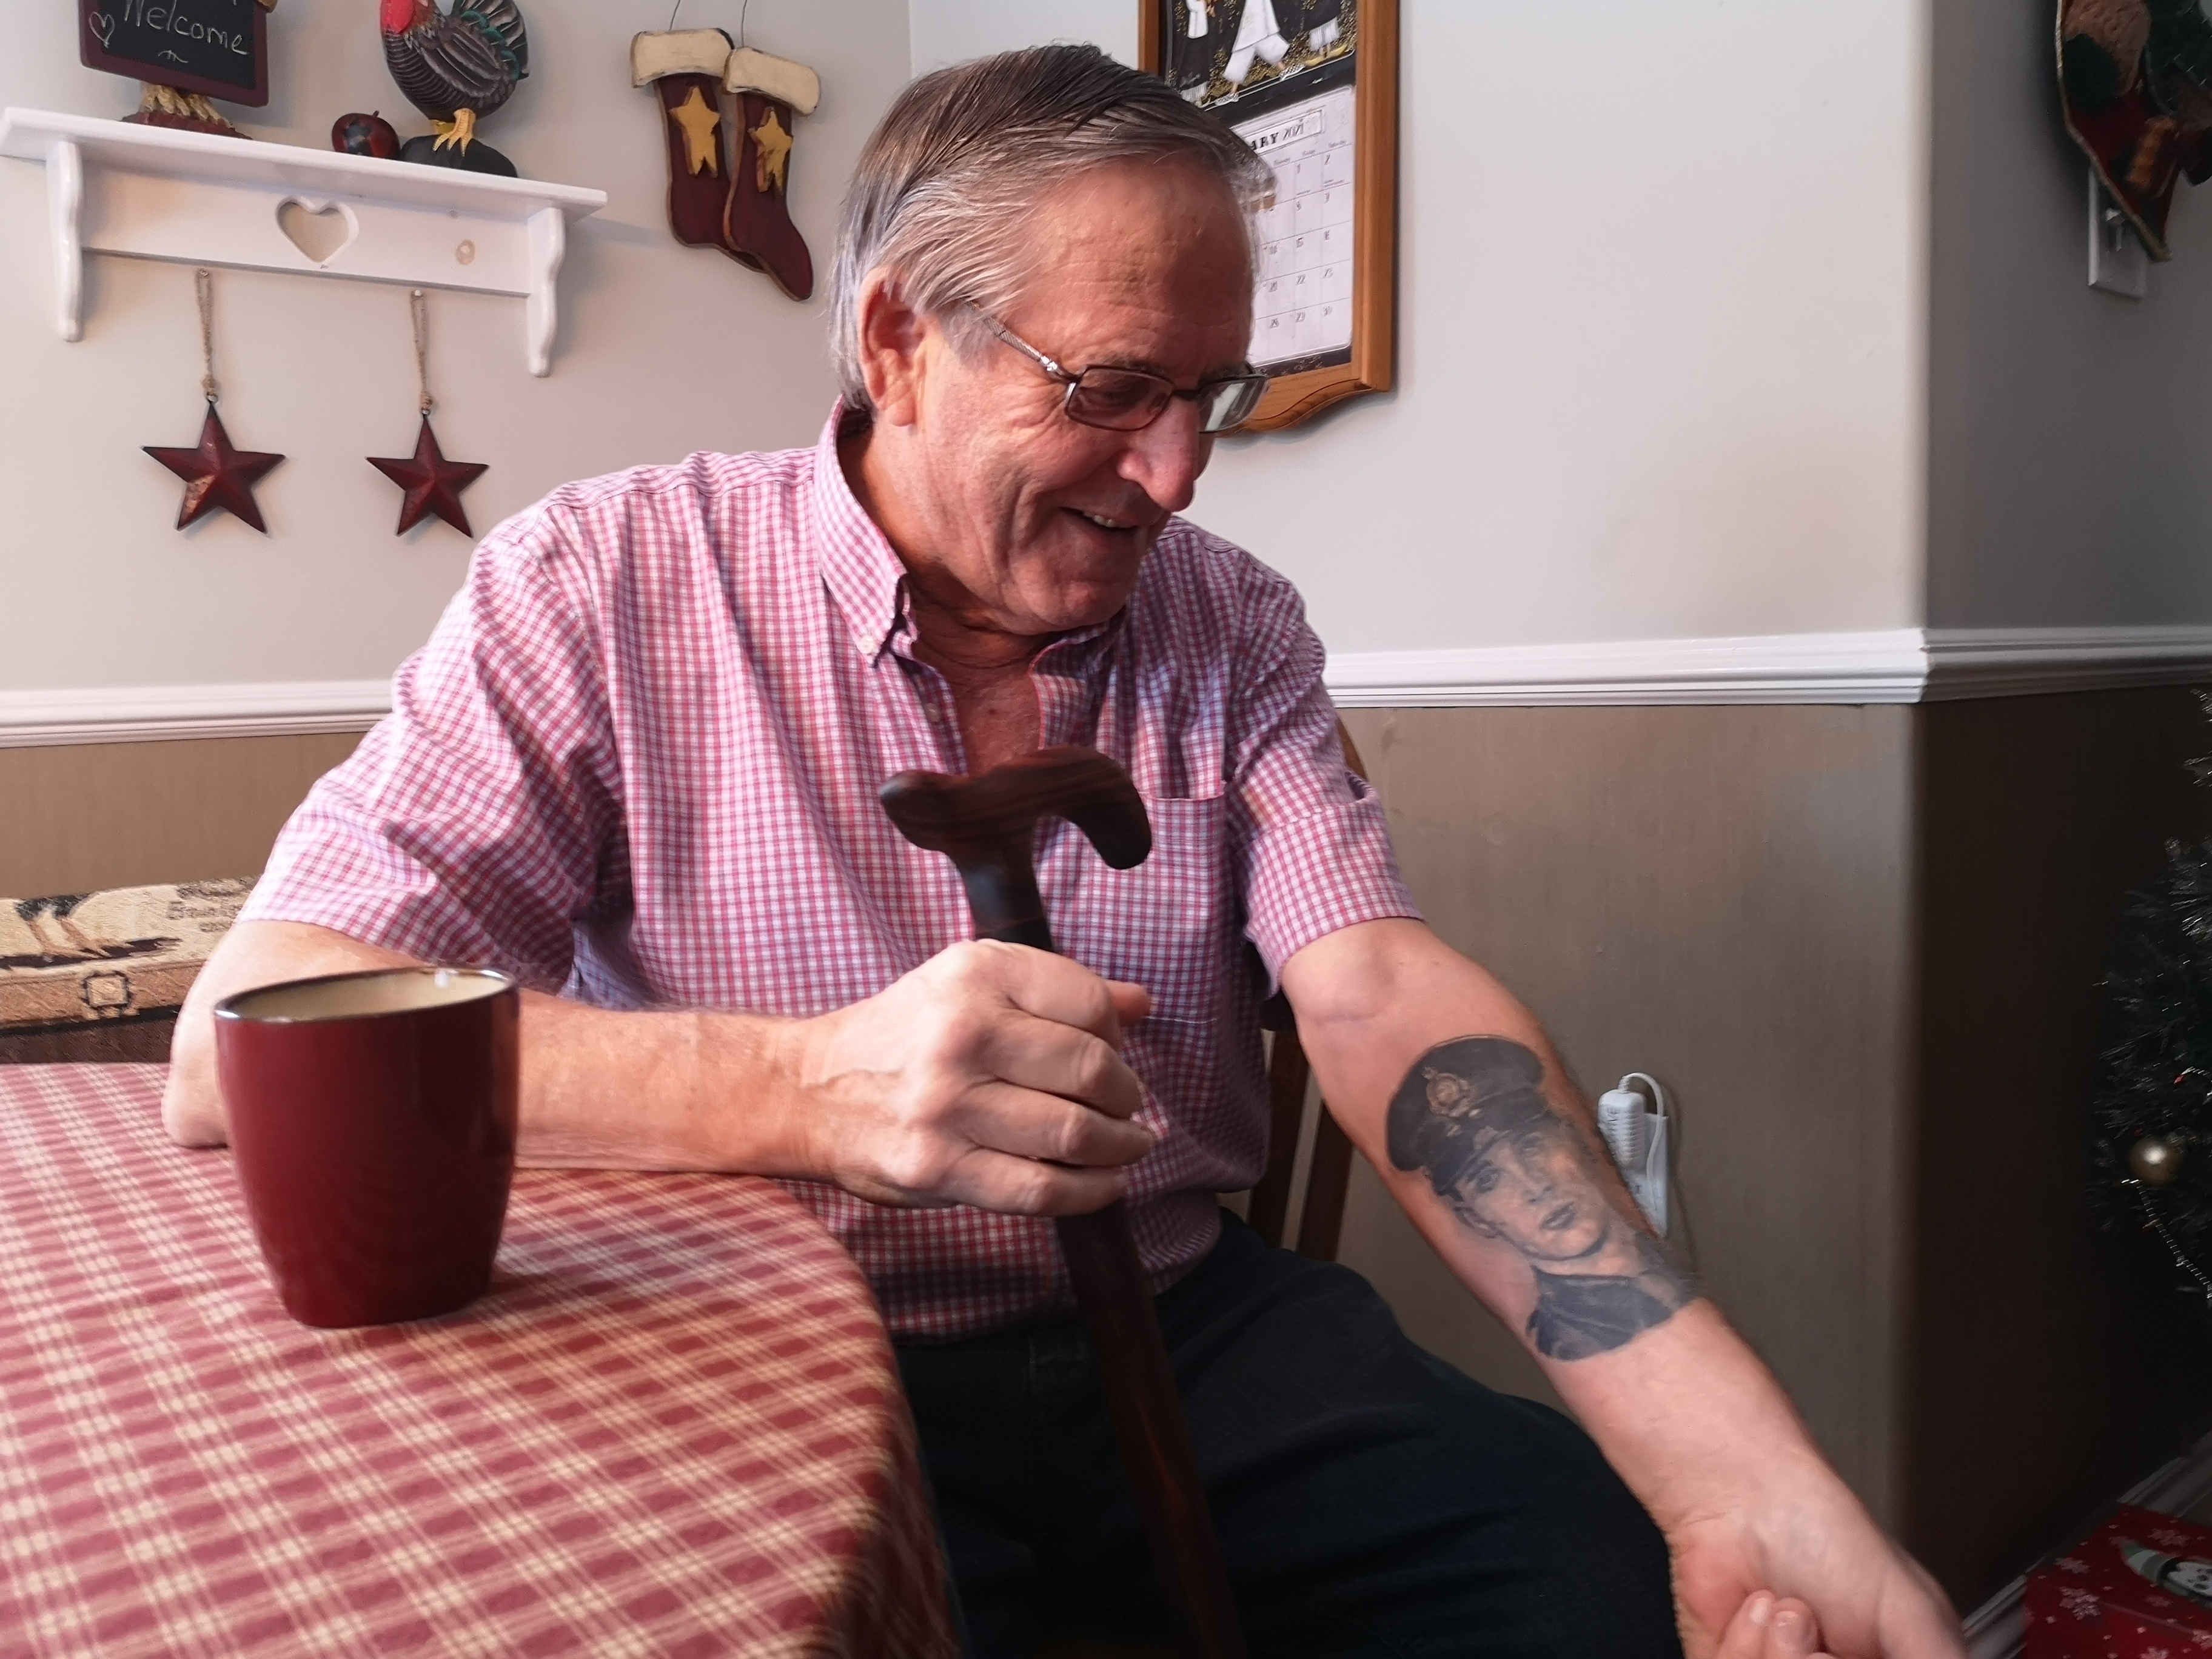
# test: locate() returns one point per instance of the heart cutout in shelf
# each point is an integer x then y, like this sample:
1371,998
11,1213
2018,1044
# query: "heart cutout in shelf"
321,230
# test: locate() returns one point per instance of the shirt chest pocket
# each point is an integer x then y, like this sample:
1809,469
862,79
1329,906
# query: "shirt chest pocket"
1161,924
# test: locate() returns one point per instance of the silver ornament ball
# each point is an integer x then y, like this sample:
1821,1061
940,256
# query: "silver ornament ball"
2155,1160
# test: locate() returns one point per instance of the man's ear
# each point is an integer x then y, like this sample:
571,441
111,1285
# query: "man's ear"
890,340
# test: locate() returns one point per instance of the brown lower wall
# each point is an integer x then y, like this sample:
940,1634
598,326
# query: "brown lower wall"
89,816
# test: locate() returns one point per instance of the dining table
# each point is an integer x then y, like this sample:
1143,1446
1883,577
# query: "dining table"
673,1426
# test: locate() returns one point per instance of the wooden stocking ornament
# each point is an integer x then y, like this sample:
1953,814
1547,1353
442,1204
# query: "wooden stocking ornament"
685,69
757,227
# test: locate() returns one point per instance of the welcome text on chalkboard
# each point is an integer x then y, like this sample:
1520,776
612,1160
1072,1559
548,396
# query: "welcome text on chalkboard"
218,48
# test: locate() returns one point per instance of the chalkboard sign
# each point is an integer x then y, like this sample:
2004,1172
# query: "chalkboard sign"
218,48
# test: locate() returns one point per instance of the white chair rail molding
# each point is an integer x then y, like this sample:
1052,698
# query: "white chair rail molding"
1901,665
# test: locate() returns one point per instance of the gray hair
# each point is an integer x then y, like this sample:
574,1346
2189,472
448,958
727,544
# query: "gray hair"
961,159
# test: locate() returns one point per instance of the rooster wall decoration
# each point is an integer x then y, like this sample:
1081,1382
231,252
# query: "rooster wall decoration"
457,67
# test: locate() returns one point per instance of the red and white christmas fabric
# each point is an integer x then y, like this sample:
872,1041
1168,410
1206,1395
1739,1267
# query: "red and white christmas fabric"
2140,1587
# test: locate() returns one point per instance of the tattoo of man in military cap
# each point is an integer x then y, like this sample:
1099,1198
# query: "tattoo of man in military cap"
1471,1116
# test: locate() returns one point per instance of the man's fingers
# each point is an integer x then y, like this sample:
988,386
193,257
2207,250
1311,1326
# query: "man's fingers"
1795,1633
1058,1059
1132,1003
1767,1626
1050,987
1001,1118
1747,1634
1022,1186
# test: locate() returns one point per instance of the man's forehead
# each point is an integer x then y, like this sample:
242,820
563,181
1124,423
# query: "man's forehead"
1137,215
1136,276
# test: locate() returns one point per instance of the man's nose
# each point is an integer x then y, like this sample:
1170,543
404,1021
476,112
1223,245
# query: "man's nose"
1164,459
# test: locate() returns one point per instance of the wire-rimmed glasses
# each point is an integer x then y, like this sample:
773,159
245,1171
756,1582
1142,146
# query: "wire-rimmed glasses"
1130,399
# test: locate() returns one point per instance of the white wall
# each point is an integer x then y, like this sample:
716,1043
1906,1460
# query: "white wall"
1659,329
953,31
2068,481
662,350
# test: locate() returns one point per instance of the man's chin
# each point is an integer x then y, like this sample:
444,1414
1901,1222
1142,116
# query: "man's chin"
1069,607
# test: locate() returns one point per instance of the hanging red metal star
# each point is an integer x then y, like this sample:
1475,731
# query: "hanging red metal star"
433,484
216,477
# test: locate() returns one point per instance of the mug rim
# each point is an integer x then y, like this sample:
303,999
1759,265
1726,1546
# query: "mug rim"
233,1007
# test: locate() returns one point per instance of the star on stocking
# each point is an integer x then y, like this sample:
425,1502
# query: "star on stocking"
698,121
216,477
433,484
772,160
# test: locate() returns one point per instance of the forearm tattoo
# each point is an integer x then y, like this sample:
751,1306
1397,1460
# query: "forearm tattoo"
1471,1115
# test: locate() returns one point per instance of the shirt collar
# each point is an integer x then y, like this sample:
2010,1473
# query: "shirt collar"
859,564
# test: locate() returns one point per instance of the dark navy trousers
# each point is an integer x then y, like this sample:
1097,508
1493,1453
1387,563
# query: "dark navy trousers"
1370,1499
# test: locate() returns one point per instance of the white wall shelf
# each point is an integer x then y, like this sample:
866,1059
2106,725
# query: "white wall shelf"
202,198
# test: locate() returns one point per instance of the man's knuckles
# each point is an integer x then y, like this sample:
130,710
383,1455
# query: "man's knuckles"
1024,1188
957,1036
1095,1073
1052,987
1077,1136
918,1163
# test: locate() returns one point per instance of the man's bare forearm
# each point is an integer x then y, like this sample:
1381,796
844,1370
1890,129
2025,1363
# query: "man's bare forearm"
1449,1087
989,1075
671,1091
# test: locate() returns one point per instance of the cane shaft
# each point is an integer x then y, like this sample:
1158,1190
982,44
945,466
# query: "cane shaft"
1138,1383
986,825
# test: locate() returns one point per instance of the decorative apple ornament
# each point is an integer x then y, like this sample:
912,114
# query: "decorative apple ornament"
365,135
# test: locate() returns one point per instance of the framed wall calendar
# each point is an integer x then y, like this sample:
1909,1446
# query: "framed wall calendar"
1312,85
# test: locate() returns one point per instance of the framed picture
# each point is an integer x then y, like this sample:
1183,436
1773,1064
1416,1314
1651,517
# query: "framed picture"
1312,85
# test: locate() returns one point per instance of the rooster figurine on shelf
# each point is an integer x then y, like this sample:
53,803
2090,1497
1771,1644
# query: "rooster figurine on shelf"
456,67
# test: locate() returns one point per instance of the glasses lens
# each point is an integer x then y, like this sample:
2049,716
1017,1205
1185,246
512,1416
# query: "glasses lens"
1230,403
1121,399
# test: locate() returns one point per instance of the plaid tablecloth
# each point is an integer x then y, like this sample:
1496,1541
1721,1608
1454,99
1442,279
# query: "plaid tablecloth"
673,1428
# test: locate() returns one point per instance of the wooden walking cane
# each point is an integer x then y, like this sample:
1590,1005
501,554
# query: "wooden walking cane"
985,826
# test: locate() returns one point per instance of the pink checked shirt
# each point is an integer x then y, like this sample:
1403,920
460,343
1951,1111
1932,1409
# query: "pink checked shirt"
638,761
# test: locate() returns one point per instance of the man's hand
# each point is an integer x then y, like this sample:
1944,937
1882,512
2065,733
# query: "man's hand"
991,1075
1819,1549
1766,1627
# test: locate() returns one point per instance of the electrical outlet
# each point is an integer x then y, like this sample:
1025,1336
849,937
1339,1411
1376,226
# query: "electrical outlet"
2118,262
1638,1138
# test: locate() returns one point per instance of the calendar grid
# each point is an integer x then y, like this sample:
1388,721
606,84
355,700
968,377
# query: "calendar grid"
1301,310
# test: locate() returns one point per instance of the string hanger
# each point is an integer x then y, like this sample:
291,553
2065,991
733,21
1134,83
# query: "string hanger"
203,291
742,12
418,310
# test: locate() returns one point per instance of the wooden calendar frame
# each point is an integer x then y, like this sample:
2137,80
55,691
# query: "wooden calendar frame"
1373,51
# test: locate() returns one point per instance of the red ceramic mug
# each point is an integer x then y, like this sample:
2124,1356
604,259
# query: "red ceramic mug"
372,1122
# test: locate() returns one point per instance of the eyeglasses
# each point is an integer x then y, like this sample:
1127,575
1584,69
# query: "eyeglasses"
1130,399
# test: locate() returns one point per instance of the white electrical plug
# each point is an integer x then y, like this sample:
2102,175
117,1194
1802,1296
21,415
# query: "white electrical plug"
1636,1138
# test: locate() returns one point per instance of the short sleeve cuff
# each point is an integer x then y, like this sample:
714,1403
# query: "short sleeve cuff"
332,868
1321,871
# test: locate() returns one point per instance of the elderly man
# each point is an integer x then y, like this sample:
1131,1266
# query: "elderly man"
636,766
